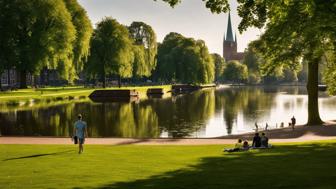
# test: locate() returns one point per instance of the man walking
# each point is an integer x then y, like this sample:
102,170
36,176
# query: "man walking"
80,131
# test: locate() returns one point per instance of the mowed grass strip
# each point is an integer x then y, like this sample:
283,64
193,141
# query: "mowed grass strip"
41,93
295,165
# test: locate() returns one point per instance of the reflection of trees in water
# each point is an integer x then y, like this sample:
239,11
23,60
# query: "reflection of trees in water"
45,122
184,115
248,100
110,119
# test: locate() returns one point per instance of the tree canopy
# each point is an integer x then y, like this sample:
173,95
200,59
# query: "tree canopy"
219,66
295,30
216,6
111,51
185,60
38,33
145,49
84,30
235,71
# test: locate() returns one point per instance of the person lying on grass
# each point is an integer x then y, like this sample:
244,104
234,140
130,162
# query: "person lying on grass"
239,146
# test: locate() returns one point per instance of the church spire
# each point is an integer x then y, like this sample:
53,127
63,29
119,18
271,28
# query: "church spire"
229,35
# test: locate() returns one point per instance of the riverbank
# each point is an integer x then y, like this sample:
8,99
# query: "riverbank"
283,135
63,92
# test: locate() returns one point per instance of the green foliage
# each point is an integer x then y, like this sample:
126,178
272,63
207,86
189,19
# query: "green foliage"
216,6
184,60
219,66
111,50
330,71
295,30
145,49
38,33
81,45
235,72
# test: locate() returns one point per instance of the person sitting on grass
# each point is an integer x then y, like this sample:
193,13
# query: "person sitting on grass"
246,145
238,147
264,140
256,141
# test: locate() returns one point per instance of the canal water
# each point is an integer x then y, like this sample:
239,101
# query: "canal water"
201,114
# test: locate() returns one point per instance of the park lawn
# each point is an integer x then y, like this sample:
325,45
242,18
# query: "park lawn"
291,165
74,91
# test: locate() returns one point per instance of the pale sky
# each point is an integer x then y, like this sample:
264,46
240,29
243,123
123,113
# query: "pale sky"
190,18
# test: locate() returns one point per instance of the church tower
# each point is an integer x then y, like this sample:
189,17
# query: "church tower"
229,43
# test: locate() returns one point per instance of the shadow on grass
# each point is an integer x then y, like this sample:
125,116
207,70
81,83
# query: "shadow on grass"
295,166
38,155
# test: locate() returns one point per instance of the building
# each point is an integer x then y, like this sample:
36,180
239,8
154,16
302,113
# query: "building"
10,78
230,45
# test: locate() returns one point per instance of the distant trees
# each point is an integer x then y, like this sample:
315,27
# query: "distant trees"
38,33
219,66
185,60
295,30
235,72
111,51
144,49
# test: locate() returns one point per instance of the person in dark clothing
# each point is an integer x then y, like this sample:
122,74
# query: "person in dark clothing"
256,141
264,140
293,122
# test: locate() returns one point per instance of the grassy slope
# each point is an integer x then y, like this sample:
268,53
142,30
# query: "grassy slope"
304,165
24,94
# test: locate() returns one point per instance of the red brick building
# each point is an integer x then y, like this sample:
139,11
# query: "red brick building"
230,45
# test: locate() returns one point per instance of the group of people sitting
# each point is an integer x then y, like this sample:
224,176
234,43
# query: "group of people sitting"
258,142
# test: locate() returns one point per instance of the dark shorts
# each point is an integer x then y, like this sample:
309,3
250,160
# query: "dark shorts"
81,140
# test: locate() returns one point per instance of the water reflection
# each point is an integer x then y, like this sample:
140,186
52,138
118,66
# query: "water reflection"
206,113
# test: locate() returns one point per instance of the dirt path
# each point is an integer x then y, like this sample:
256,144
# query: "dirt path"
299,134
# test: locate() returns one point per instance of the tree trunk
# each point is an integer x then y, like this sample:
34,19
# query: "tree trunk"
119,81
23,79
312,88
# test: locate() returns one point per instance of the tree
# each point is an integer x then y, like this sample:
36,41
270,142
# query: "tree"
37,33
111,51
252,60
294,30
216,6
235,71
145,49
81,45
330,71
184,60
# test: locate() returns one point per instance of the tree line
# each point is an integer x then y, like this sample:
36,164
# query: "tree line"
56,34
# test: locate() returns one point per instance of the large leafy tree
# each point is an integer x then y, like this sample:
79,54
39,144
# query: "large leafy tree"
184,60
81,45
216,6
34,34
111,51
145,49
235,71
295,30
219,66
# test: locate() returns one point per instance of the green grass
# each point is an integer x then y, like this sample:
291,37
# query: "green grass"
49,92
295,165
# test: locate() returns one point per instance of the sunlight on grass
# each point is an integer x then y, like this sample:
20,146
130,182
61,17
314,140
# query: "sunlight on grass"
59,166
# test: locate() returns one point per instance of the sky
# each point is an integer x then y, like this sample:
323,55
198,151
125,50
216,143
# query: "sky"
190,18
